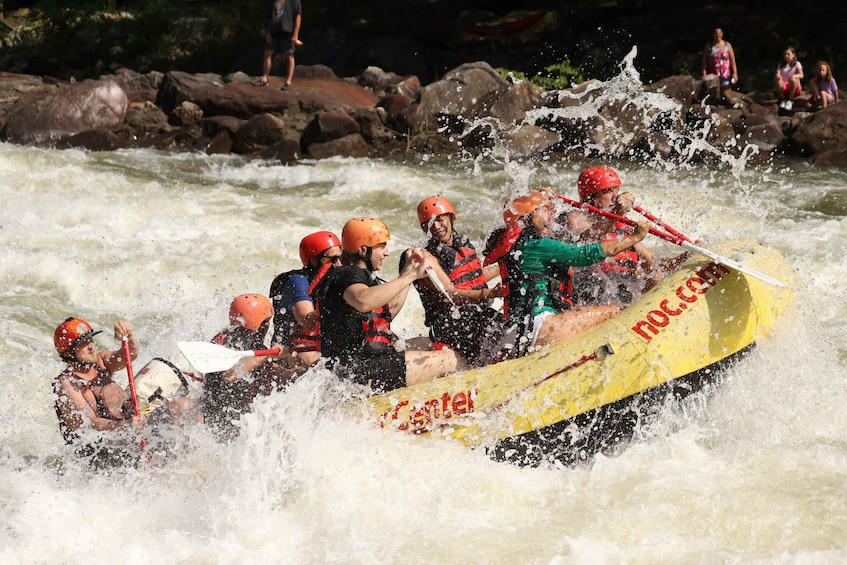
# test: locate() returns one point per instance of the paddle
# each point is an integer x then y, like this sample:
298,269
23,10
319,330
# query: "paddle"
433,276
211,358
682,243
665,226
130,375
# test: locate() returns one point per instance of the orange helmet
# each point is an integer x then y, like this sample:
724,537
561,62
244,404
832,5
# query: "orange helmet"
363,231
523,206
433,207
71,333
596,179
250,311
314,244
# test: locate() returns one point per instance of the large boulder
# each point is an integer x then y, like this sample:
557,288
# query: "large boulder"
571,97
257,133
185,114
528,141
710,90
372,124
376,79
48,115
761,130
246,100
407,86
14,86
307,95
682,88
143,122
131,80
624,127
211,126
512,106
823,136
352,145
218,144
393,104
465,93
178,87
382,83
327,126
330,94
286,151
92,140
178,139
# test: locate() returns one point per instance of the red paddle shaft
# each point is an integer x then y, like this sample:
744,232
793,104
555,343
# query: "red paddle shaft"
130,375
684,244
266,352
624,220
665,226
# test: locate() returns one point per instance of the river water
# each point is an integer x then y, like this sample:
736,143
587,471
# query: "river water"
754,473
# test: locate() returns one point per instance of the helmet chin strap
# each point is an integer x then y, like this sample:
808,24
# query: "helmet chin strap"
368,264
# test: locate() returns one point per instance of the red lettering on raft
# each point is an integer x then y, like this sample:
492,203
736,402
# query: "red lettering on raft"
418,418
697,285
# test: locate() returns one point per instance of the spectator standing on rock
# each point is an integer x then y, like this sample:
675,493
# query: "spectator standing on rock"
788,77
824,89
282,36
719,59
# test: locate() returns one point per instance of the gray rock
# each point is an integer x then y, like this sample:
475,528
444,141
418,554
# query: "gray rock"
48,115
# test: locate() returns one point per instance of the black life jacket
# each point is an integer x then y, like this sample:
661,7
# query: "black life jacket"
462,265
350,332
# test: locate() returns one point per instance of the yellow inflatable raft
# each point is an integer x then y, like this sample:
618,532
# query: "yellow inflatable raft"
568,401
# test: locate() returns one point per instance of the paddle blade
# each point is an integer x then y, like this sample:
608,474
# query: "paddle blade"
210,357
433,276
733,264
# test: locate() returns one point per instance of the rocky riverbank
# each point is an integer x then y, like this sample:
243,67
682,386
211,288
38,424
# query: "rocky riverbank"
379,114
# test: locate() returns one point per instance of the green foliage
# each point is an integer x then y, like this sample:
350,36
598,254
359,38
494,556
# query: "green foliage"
87,38
558,76
510,75
554,77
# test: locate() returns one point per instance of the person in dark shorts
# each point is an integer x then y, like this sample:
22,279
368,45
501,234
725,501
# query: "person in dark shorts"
282,37
356,309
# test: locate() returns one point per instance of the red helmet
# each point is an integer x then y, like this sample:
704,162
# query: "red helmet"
433,207
71,333
363,231
314,244
250,311
524,205
596,179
